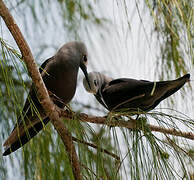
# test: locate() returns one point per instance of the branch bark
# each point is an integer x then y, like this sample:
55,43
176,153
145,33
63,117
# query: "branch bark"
97,147
42,92
132,124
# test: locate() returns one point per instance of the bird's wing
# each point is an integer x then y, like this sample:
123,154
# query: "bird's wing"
127,80
143,94
32,131
32,92
165,89
32,97
32,126
117,81
123,90
130,86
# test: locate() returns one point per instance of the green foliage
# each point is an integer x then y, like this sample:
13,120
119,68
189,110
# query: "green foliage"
157,156
11,91
173,24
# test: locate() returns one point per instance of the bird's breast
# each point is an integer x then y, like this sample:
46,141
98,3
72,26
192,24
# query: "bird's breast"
62,83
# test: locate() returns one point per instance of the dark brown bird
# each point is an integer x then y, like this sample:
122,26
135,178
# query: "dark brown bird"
59,74
131,94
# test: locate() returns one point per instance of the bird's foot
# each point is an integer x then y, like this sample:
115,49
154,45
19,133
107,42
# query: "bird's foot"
68,110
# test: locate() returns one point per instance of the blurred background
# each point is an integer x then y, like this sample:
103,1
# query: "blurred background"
151,40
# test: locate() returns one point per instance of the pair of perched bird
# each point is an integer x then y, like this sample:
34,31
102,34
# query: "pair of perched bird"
59,74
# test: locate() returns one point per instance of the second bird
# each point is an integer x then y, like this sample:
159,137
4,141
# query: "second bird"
130,94
59,74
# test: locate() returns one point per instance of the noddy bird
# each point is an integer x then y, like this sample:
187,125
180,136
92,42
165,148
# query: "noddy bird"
131,94
59,74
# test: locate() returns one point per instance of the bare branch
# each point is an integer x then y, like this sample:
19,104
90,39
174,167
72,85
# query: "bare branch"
132,124
96,147
171,131
42,92
175,146
88,169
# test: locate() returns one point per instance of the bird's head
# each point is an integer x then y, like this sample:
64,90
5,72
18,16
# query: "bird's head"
96,80
77,53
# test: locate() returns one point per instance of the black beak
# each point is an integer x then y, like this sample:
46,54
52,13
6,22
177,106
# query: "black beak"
84,69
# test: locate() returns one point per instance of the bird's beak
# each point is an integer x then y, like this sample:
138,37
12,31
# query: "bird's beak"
84,69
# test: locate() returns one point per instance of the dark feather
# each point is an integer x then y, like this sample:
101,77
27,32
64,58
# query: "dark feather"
133,94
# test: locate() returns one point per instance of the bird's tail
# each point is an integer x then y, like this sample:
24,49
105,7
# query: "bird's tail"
19,136
172,86
175,85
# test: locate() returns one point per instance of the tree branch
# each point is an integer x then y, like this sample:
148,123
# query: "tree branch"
42,92
97,147
132,124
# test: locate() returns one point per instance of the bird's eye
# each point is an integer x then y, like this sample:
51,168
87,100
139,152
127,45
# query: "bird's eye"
95,82
85,58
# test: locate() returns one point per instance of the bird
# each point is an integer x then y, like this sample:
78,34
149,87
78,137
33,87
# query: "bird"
59,74
131,95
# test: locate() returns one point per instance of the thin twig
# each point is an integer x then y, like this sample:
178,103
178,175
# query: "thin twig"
96,147
84,166
175,146
119,165
42,92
